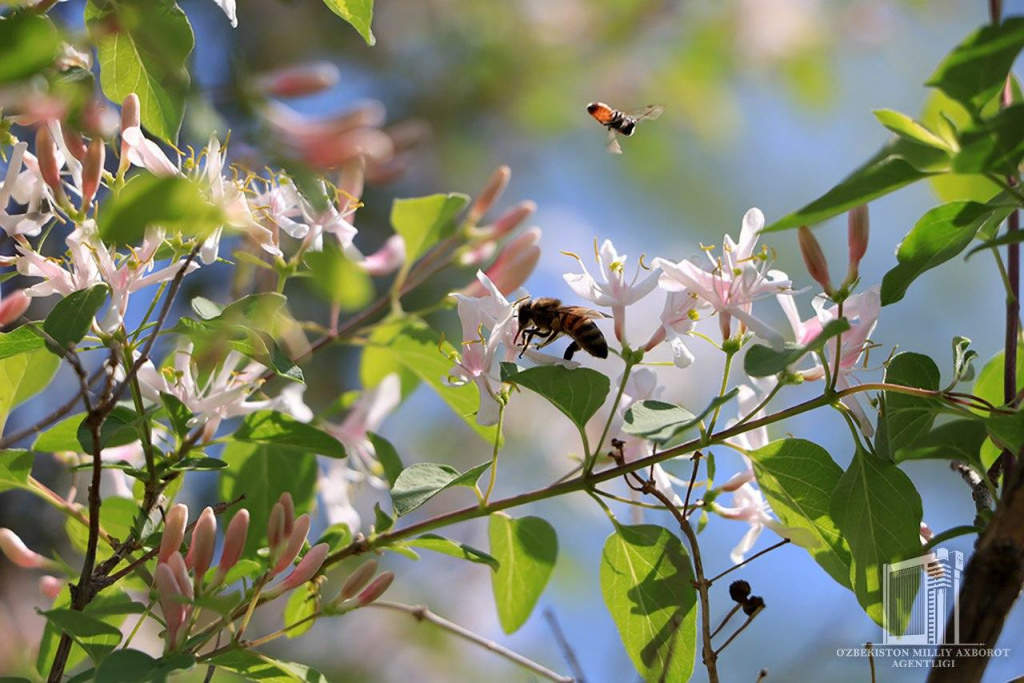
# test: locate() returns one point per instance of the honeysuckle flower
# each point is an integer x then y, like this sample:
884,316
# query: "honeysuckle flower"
335,496
515,263
174,531
734,282
229,9
376,588
857,232
366,416
13,306
861,310
751,507
287,552
610,288
306,569
331,142
200,549
144,153
172,592
386,260
358,579
278,206
678,318
51,586
299,80
17,552
333,220
484,240
748,398
25,187
234,545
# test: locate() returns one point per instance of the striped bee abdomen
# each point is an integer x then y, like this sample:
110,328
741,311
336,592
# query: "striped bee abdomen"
587,335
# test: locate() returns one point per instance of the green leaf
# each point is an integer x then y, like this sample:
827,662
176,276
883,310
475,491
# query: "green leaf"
941,234
578,393
272,428
178,413
302,604
424,221
1006,431
122,426
526,550
996,242
958,439
143,48
764,361
975,71
963,360
422,481
359,13
897,165
22,377
338,279
382,521
255,666
994,145
15,468
903,419
387,456
799,478
661,422
647,584
439,544
70,319
262,473
906,127
878,511
409,346
117,517
336,536
129,666
21,340
29,42
96,637
62,436
172,202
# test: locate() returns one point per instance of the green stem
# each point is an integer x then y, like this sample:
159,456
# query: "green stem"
839,351
591,458
729,355
494,456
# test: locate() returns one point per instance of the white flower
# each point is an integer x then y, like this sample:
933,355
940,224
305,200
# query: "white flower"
751,507
610,287
229,9
143,152
334,493
748,399
678,318
734,282
366,416
25,188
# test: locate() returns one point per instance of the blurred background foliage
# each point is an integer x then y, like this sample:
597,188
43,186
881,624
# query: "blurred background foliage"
767,104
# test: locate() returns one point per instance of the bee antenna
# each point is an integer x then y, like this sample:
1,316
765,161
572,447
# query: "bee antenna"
520,300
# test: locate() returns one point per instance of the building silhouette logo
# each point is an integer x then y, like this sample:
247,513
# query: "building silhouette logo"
930,584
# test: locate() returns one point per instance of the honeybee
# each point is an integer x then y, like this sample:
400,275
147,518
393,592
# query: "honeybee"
619,123
546,318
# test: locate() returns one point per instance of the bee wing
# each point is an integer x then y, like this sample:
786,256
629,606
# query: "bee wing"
648,113
613,142
584,312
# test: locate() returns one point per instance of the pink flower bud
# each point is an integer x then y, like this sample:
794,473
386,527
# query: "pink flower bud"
174,531
298,81
515,263
358,579
508,221
13,306
177,564
295,541
130,112
289,512
169,594
814,258
308,566
234,544
46,153
857,239
387,259
74,143
51,586
200,552
17,552
275,527
376,589
491,193
92,170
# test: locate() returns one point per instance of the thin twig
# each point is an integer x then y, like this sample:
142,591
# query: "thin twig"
563,644
738,631
749,559
725,620
871,659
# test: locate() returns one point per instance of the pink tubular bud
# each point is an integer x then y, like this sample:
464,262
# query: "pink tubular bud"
92,170
13,306
814,258
170,594
508,221
17,552
515,263
376,589
130,112
46,153
174,531
177,564
74,143
308,566
289,512
50,586
387,259
234,545
298,81
358,579
275,527
858,227
200,552
298,536
491,193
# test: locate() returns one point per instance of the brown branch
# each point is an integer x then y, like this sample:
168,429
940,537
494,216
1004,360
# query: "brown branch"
748,560
563,644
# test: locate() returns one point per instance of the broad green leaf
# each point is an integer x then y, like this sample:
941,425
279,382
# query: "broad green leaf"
62,436
946,116
447,546
958,439
338,279
178,414
799,478
359,13
382,521
143,48
111,607
526,550
408,344
255,666
897,165
172,202
336,536
122,426
878,511
424,221
764,361
262,473
661,422
996,242
941,234
22,377
29,42
15,468
130,666
994,145
906,127
20,340
975,71
281,430
647,584
117,517
903,419
96,637
578,393
422,481
70,319
989,384
387,456
302,604
1006,431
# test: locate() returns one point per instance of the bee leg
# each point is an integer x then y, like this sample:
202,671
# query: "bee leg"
548,338
570,350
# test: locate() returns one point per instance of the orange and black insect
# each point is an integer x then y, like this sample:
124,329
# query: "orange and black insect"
546,318
619,123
